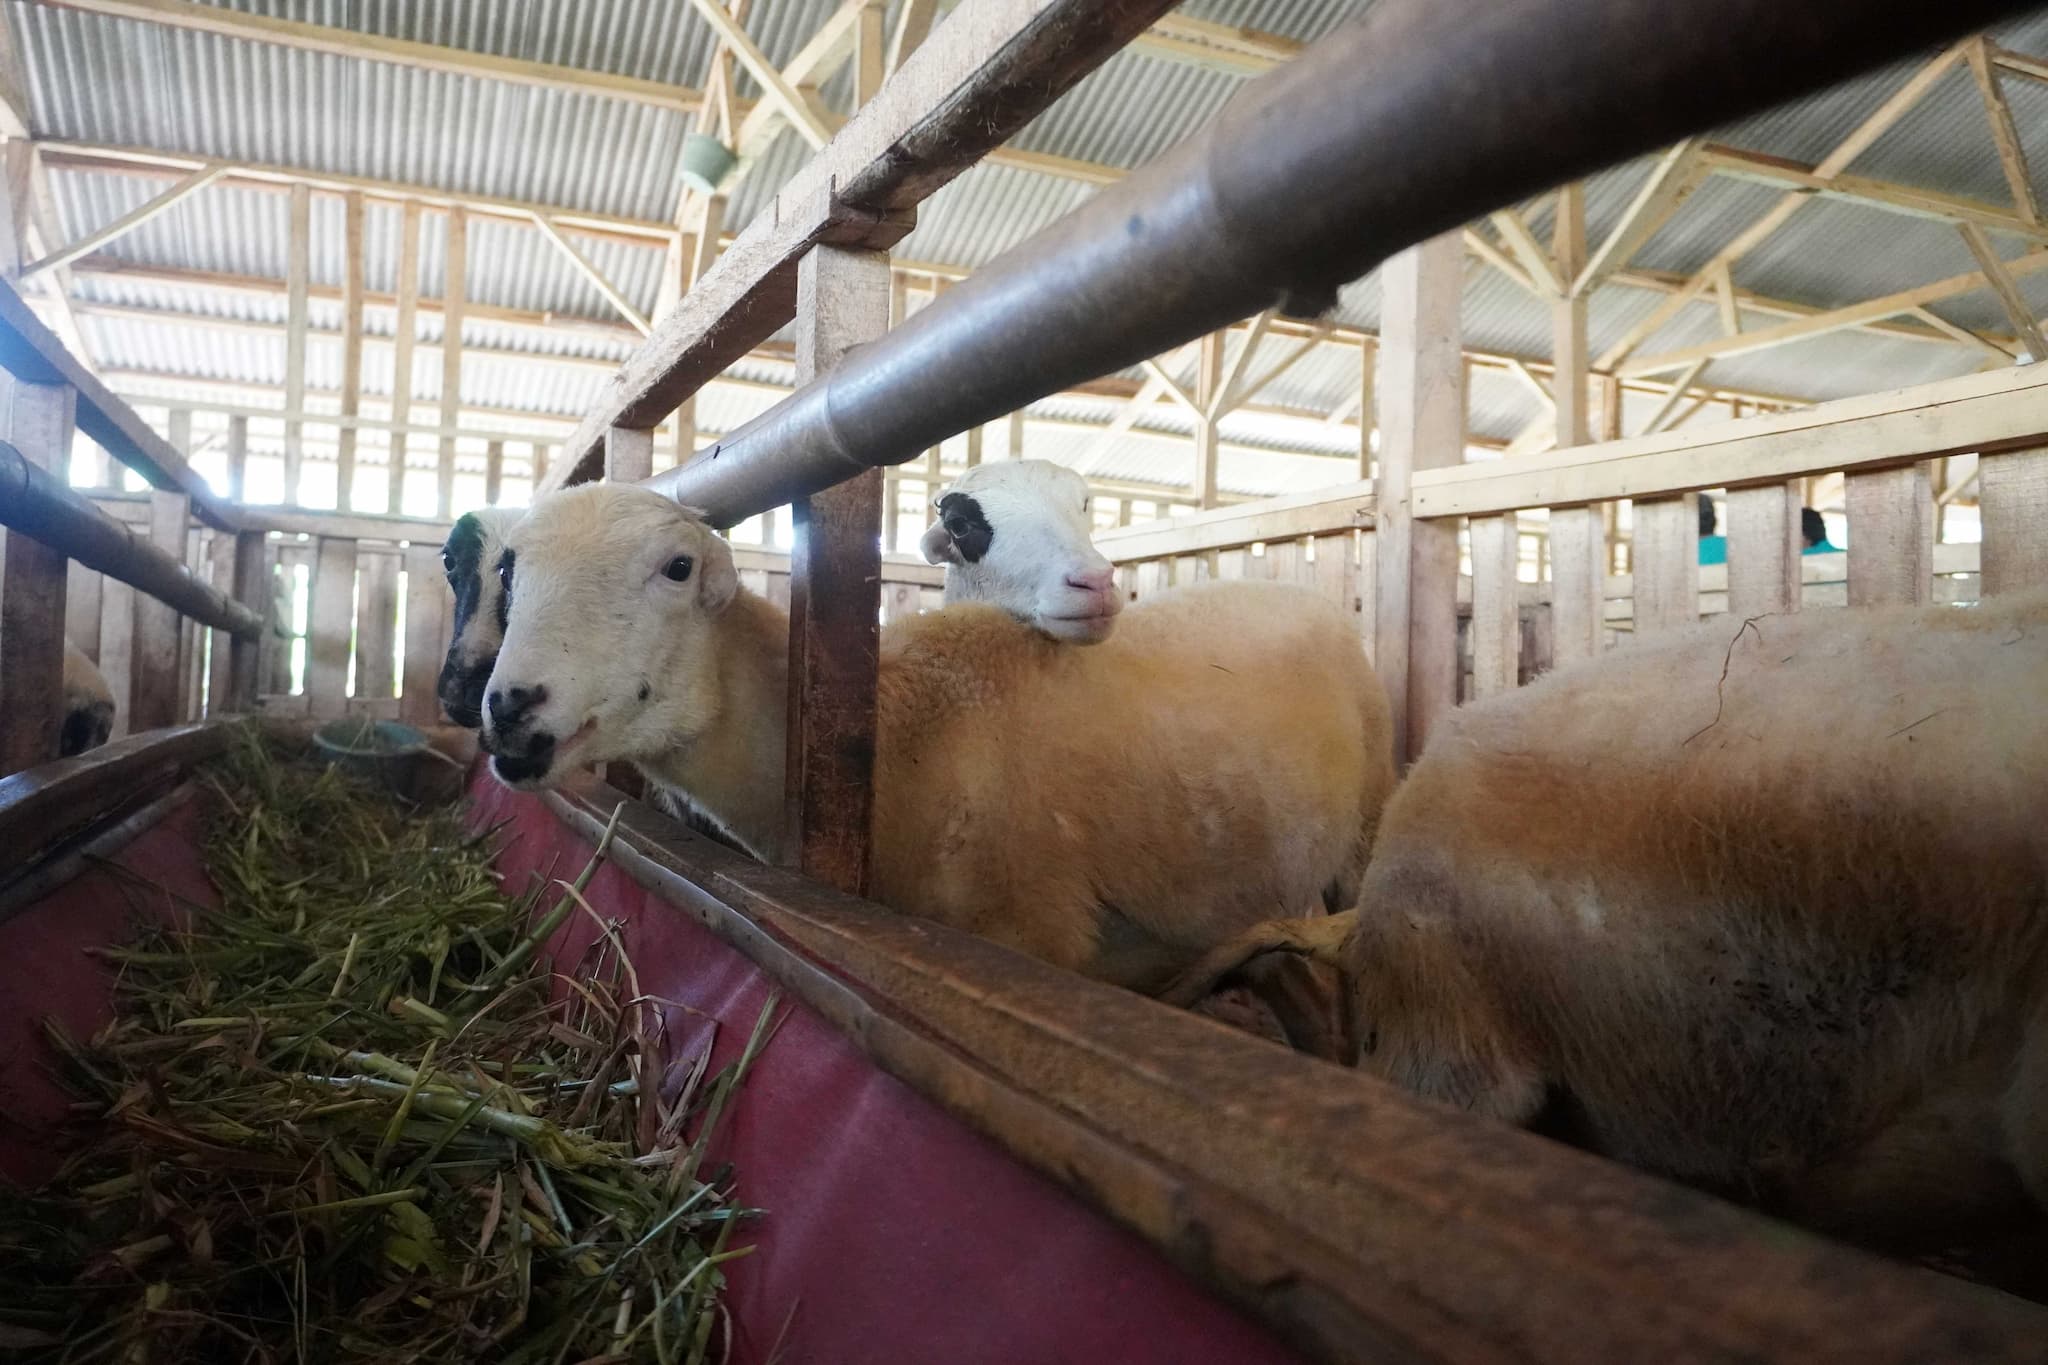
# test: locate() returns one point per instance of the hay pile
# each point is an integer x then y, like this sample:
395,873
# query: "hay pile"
338,1119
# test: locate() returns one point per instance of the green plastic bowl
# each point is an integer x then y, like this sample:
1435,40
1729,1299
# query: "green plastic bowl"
377,749
706,162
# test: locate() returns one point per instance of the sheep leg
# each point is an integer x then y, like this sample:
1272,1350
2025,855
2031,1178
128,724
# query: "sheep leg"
1306,997
1319,939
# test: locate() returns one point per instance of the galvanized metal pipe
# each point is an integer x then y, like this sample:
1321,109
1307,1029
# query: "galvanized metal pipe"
34,503
1420,116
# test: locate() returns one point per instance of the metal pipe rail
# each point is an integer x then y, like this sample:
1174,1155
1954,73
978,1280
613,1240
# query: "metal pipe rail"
35,504
1419,116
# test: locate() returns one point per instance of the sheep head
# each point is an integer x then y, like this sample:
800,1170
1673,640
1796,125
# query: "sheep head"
470,558
613,594
1017,534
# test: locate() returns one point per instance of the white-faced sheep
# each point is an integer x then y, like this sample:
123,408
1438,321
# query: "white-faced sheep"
1115,810
1763,908
1017,534
88,705
470,558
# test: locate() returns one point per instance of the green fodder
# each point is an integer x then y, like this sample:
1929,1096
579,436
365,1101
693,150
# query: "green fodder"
338,1118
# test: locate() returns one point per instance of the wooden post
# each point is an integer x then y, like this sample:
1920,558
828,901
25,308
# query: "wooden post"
426,612
1666,561
494,472
376,624
835,577
628,454
252,590
1578,544
454,289
1496,607
37,420
1763,550
328,627
1368,363
82,592
298,271
238,459
1568,388
405,333
1891,536
973,446
351,349
156,657
1208,378
1422,426
540,452
1016,425
2012,499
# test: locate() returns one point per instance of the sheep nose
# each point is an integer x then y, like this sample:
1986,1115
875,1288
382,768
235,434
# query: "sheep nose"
1093,580
512,705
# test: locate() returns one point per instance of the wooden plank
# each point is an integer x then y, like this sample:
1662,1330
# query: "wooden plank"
82,590
1286,561
1422,425
1345,507
1763,550
427,604
220,674
1578,568
376,623
37,420
983,74
628,454
2012,499
1208,388
786,98
1154,577
587,268
238,458
2012,153
1998,410
298,277
157,654
1496,614
405,334
1999,275
1891,536
330,624
351,347
1541,269
1667,562
454,289
494,472
835,571
117,647
1670,183
252,574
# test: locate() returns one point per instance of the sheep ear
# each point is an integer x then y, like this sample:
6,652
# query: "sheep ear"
938,546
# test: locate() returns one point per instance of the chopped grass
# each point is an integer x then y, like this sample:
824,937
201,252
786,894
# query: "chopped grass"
340,1118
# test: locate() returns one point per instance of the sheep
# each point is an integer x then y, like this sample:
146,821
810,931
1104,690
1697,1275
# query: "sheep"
88,705
470,558
1761,907
1018,534
1114,810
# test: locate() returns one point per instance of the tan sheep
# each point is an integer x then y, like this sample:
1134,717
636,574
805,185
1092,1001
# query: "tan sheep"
1115,809
1782,935
88,705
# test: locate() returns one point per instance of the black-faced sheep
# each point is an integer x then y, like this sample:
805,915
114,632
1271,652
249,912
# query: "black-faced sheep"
88,705
470,558
1116,810
1017,534
1763,908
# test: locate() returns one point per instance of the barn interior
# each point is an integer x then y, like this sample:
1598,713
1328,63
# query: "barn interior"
288,286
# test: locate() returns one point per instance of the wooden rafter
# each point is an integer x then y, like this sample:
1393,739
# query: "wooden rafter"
1672,180
127,222
1483,247
1240,360
2012,154
1514,231
1250,389
1666,411
588,269
913,22
1996,350
1908,200
1998,275
814,63
787,98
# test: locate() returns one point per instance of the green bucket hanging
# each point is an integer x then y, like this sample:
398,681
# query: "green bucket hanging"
706,162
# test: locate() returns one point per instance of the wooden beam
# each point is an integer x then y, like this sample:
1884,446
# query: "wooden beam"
835,600
964,92
1514,231
38,421
1909,200
1482,246
1994,350
454,292
1836,320
1226,387
913,22
1667,410
590,272
1171,387
330,618
2012,153
1422,425
1568,382
351,348
1891,527
789,103
1999,410
815,62
156,657
1666,562
1243,395
298,275
2012,500
1724,298
1496,607
2000,277
358,44
405,334
40,236
1673,178
238,459
1763,550
628,454
427,608
1208,390
127,222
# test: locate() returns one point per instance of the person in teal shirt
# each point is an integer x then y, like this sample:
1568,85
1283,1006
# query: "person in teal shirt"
1713,546
1814,532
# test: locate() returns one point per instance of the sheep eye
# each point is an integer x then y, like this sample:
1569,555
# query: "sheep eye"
505,574
677,570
